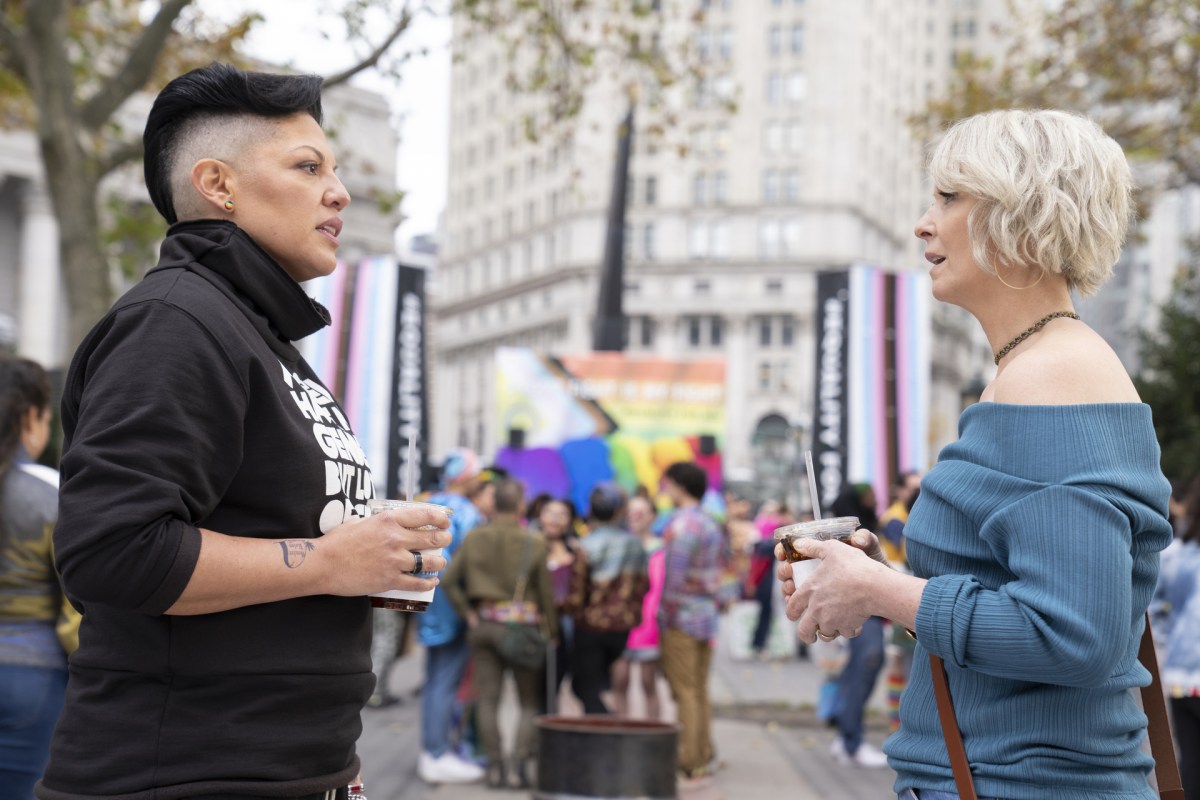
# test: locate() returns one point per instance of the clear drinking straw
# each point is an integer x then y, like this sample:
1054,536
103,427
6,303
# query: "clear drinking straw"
812,485
412,441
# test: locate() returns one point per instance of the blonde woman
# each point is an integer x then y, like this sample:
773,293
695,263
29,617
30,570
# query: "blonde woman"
1034,544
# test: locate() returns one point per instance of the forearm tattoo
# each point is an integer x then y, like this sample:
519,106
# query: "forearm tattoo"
294,551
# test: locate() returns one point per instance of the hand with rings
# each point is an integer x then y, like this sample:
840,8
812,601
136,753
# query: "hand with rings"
836,595
829,637
396,548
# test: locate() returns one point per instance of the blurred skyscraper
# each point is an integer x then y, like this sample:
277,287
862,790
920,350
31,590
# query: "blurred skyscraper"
816,169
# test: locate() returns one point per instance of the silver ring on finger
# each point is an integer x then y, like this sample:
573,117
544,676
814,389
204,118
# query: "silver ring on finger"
419,566
825,637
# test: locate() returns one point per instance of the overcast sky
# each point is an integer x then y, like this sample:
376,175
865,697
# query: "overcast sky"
290,34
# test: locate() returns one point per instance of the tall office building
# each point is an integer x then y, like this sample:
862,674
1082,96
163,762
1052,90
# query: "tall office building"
816,169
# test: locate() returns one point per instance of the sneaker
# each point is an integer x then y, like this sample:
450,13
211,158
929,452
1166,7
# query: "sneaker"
867,756
447,768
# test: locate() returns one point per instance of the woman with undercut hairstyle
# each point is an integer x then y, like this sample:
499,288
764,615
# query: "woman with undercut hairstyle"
213,525
1034,545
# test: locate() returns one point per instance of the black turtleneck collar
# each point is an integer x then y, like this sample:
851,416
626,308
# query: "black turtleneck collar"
257,279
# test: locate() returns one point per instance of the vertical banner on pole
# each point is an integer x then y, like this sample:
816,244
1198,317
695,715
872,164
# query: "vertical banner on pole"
889,376
409,407
830,425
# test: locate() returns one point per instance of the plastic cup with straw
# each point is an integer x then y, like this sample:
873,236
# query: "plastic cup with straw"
403,599
839,528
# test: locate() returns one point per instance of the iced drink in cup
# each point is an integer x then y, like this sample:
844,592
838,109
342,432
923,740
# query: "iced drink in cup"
821,530
403,599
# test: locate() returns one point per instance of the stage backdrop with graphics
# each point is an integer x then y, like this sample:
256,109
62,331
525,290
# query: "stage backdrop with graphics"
871,418
570,422
372,357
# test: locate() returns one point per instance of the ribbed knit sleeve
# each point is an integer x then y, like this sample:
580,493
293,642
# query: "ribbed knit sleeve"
1048,623
1038,533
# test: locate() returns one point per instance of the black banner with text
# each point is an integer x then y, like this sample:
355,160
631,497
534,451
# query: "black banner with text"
409,417
831,407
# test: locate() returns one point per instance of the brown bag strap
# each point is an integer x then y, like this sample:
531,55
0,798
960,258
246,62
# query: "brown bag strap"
1162,746
954,742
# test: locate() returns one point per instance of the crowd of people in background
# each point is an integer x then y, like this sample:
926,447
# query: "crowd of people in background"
629,595
634,589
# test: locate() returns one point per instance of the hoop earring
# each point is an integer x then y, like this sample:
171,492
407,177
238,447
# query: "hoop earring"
229,205
1041,274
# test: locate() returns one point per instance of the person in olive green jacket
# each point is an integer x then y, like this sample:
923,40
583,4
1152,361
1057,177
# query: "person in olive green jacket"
482,583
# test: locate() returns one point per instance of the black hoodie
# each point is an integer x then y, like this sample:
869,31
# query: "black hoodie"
187,406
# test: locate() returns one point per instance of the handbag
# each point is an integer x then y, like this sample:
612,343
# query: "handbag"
1162,747
523,645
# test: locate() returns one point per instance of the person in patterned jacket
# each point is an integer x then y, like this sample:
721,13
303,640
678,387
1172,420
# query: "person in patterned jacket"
696,555
606,593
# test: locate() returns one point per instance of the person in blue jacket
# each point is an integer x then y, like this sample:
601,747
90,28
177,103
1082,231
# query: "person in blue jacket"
443,633
1034,544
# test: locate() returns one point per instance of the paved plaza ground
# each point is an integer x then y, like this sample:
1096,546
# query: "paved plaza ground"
769,742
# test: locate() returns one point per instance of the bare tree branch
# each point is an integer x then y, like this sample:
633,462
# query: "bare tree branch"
376,54
134,73
118,155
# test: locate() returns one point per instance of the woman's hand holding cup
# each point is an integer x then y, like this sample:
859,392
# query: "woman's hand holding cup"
833,599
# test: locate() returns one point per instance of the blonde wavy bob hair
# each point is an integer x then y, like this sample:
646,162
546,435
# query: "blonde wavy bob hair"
1053,190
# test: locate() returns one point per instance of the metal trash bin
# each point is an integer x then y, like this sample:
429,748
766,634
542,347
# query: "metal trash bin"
601,756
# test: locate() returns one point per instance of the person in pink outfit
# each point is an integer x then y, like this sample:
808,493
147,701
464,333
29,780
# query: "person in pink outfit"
642,647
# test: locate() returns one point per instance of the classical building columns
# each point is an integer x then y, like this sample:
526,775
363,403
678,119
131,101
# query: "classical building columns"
40,309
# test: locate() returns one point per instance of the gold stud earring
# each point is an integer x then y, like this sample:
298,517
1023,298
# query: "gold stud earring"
229,205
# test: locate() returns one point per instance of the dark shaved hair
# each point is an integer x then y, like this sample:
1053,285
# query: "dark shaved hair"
211,112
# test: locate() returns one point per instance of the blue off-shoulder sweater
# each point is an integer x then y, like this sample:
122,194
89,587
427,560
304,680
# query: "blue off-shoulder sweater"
1039,533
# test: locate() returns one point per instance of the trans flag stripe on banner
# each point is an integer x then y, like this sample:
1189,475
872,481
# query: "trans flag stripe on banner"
888,375
354,354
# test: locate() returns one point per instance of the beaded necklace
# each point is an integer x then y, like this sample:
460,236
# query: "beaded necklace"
1032,329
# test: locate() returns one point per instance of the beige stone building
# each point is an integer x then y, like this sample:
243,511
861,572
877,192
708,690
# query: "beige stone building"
815,170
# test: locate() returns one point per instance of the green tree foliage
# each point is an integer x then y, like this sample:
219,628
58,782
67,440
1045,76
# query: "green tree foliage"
1170,377
1132,65
559,49
69,69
